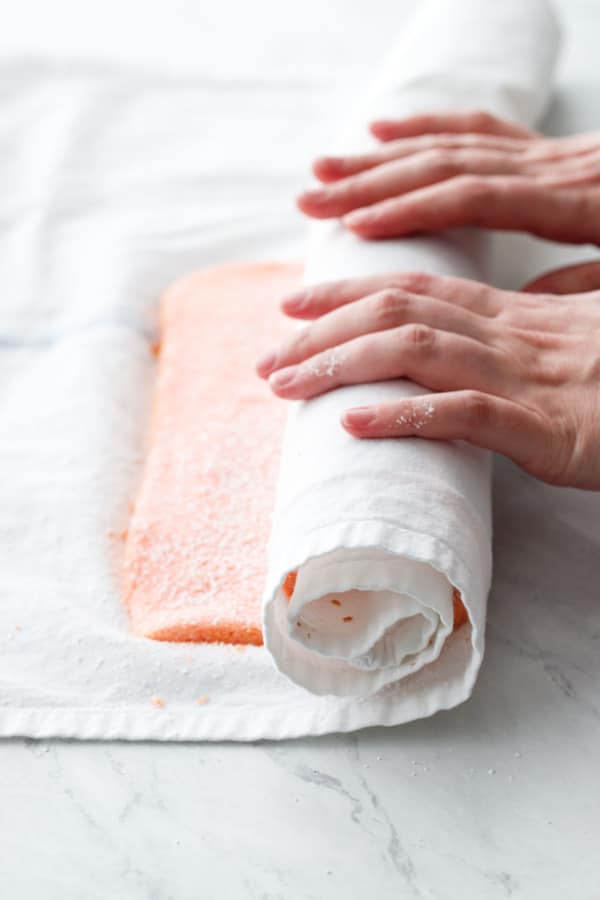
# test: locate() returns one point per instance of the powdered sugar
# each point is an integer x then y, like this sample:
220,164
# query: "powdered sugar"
327,364
417,414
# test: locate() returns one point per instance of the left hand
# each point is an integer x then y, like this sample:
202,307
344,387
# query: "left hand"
514,372
434,172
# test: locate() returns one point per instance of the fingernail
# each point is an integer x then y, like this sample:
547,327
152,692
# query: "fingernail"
266,364
282,379
359,417
294,302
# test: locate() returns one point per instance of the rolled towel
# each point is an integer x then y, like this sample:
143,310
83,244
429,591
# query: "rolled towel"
378,546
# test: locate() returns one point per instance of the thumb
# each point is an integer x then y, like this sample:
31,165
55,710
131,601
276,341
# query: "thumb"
568,280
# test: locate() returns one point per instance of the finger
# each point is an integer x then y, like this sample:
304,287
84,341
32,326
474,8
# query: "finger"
484,420
331,168
436,359
314,301
574,279
381,311
503,202
477,121
553,150
398,177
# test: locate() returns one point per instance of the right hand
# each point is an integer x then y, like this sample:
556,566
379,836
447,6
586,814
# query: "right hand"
514,372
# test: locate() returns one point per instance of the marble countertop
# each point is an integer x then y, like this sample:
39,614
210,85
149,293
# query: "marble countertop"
487,801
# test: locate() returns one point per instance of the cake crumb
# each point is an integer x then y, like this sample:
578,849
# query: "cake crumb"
157,701
201,700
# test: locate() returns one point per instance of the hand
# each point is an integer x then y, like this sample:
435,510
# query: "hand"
439,171
514,372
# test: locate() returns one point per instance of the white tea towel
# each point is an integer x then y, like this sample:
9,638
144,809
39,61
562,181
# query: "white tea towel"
380,532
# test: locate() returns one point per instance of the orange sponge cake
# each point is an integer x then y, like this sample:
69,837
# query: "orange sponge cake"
195,552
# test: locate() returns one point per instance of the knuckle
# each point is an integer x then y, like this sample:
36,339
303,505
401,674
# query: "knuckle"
475,187
390,304
475,191
477,408
418,282
419,336
550,371
441,159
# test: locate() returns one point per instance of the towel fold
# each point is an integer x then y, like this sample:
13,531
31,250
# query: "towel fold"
381,535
